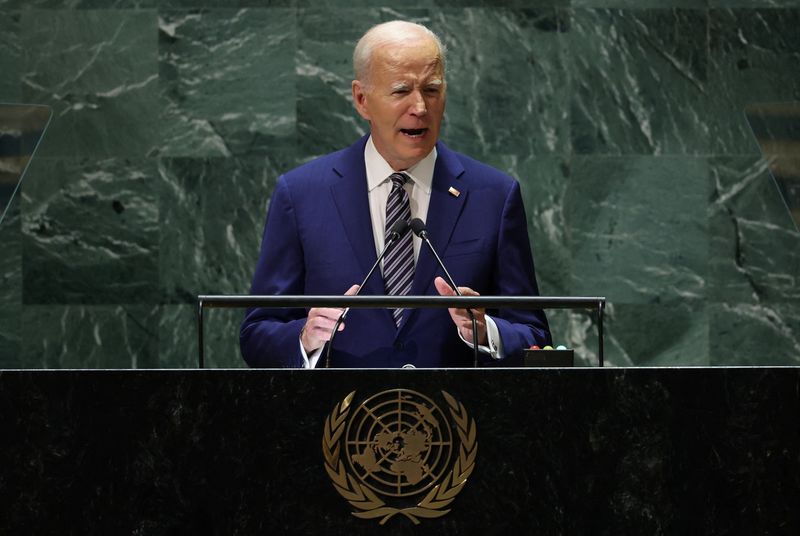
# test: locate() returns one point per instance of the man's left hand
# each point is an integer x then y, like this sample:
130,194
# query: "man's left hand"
460,316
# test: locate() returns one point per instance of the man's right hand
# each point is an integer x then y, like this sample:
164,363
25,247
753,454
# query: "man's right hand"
319,324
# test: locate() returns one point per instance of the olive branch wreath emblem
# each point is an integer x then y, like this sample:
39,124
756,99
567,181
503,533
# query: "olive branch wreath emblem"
367,503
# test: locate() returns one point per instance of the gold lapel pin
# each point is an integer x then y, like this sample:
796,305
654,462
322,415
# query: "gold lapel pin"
454,192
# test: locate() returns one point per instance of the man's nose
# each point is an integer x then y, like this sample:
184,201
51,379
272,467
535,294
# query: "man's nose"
418,106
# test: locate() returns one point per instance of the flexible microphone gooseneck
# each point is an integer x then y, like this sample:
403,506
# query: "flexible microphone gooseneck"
399,228
418,226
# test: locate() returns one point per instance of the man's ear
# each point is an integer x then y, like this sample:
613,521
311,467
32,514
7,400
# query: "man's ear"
360,99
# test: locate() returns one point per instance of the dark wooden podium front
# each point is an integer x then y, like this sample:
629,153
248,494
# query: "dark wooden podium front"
556,451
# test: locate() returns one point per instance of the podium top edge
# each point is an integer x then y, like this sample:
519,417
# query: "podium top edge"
470,370
555,302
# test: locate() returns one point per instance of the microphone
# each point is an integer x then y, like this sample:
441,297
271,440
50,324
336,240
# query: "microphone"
418,226
397,230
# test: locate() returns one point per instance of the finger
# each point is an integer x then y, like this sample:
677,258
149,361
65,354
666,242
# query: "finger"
479,313
446,290
464,321
321,329
331,313
352,290
325,320
466,291
464,313
443,288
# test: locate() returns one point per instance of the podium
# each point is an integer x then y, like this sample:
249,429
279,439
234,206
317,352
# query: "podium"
549,451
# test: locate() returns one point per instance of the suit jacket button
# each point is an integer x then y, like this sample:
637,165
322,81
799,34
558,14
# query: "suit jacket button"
398,345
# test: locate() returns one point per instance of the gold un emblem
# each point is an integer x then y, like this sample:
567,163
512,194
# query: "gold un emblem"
396,454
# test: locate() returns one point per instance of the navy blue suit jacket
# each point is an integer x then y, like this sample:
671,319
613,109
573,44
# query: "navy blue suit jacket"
318,241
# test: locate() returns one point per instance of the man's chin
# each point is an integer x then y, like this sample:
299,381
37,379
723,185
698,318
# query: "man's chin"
412,157
406,152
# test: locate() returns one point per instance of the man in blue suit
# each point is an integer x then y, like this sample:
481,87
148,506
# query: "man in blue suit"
327,221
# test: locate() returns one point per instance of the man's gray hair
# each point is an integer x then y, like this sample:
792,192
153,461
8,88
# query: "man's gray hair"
388,33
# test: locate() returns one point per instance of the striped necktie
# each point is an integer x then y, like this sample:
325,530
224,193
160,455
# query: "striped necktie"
398,266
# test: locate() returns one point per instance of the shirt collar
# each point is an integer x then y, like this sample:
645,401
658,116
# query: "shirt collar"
378,170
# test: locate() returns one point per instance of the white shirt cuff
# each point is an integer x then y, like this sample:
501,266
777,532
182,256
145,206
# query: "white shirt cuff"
495,347
310,361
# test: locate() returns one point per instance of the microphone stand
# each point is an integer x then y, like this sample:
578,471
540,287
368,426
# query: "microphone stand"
398,229
419,229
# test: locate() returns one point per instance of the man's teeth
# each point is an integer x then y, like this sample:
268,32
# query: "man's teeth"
413,132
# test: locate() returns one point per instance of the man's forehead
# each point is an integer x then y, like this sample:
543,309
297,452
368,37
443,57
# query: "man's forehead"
398,65
416,51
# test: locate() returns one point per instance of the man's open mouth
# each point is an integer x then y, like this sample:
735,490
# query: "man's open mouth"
414,132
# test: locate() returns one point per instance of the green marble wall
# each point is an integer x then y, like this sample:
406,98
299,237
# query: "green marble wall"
622,119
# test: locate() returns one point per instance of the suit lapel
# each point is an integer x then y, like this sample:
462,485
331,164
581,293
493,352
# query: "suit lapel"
443,213
349,191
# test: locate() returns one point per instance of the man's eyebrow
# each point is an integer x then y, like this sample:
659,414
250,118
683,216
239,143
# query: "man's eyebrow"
403,86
